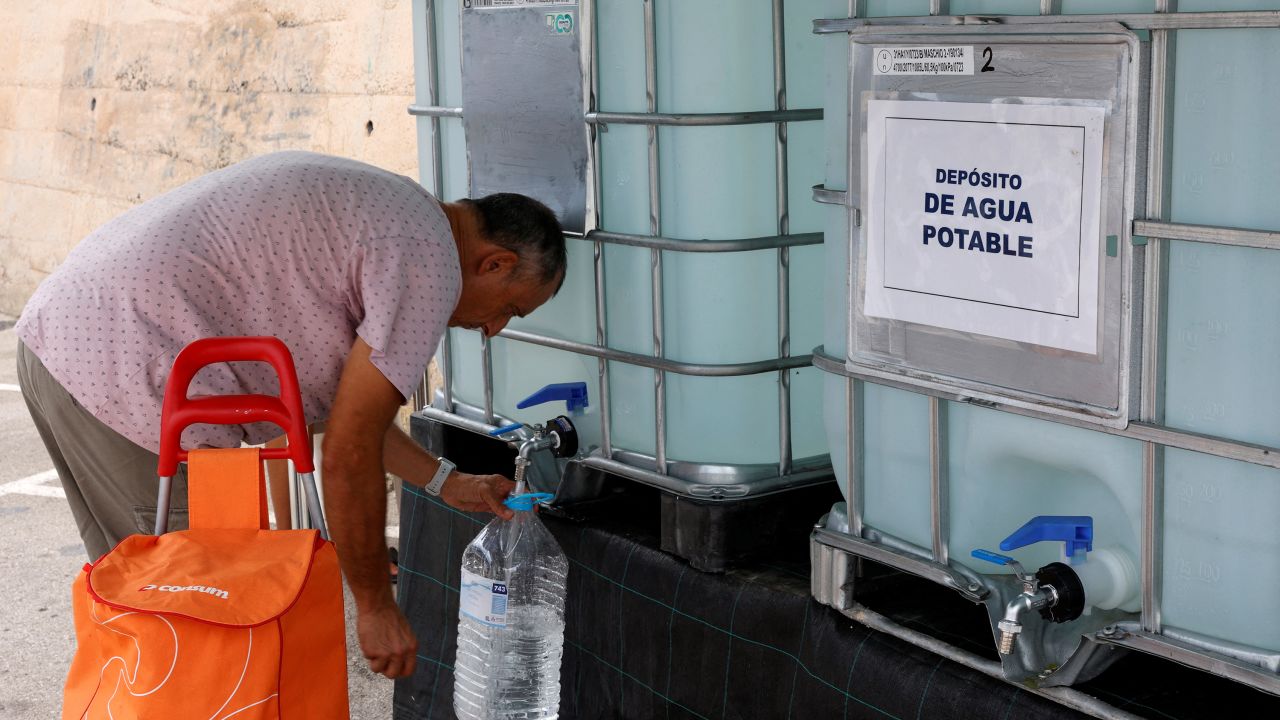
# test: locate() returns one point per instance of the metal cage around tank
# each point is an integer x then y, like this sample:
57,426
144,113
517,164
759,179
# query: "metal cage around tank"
933,559
1153,234
656,468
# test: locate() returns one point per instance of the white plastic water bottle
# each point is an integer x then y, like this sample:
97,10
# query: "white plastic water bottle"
511,620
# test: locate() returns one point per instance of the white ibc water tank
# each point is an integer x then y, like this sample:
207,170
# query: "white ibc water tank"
716,183
1204,520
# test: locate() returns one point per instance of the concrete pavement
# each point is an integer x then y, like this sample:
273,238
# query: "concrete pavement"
40,554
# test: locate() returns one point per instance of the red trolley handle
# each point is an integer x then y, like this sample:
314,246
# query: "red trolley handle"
179,411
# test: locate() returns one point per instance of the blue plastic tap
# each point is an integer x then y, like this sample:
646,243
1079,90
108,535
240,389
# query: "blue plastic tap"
1075,532
574,395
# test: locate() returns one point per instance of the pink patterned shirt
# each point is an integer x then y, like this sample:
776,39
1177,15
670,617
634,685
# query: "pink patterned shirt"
312,249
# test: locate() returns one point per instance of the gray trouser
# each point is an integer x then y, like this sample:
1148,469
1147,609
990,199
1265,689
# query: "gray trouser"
110,482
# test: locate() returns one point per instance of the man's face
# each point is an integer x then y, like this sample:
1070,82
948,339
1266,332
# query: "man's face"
497,293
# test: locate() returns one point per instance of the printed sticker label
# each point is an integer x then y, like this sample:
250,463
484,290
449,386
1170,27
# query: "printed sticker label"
503,4
484,599
560,23
940,60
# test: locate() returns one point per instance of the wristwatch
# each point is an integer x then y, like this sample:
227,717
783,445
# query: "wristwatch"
437,480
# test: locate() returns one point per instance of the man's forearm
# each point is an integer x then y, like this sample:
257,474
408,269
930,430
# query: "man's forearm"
406,459
356,506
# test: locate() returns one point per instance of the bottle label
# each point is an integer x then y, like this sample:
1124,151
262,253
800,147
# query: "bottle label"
484,600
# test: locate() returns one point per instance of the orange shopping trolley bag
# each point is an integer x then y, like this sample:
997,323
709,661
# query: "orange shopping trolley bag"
227,619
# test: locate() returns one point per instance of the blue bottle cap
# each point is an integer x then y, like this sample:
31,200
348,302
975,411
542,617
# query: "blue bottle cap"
526,501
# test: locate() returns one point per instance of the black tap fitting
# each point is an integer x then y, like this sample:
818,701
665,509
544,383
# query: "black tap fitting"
563,427
1068,589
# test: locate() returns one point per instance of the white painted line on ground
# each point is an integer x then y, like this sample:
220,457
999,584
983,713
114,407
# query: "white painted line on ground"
10,387
34,485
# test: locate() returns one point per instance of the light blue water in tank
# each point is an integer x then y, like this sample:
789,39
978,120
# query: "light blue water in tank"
716,183
1220,576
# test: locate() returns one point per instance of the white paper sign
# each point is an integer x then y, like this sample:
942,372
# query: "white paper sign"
984,218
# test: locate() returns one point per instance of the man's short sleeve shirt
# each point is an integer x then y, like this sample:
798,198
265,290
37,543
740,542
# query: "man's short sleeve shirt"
314,250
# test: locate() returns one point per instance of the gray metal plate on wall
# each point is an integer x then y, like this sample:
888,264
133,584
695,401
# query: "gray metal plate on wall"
1066,64
522,90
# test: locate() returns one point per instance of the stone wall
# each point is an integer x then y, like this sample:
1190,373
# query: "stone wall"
106,103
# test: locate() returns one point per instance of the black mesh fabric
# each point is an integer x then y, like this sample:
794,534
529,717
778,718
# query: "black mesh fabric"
648,637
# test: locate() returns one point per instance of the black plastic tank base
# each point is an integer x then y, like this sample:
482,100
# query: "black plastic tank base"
716,535
471,452
711,535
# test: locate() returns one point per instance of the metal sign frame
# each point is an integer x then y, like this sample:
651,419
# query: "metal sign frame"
523,105
1091,387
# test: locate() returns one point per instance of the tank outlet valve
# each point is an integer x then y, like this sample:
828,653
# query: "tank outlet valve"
557,435
1055,590
576,402
1034,596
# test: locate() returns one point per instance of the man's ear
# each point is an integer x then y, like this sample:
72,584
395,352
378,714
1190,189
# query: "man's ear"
499,262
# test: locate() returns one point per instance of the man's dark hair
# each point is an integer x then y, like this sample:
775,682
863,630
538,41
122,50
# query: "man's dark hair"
527,228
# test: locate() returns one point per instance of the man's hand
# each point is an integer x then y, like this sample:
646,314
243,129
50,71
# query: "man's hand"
387,642
464,491
478,493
